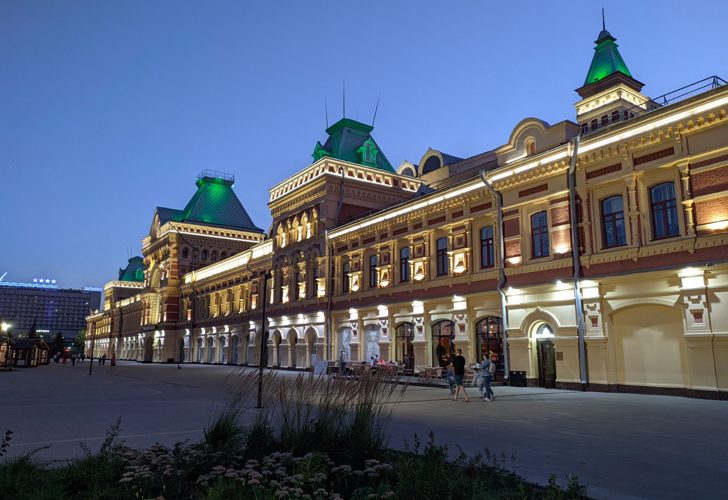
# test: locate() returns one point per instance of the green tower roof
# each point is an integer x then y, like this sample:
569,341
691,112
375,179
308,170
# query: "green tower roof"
351,141
134,270
215,203
606,60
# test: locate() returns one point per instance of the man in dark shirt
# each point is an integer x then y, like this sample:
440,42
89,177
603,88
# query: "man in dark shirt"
458,364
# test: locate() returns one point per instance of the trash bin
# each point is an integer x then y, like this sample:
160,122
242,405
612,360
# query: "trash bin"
518,378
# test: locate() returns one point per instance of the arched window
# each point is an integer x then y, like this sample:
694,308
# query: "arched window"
530,146
594,124
404,265
213,256
185,252
223,255
625,114
373,271
539,235
443,336
615,116
441,257
664,211
490,340
486,247
613,233
406,352
584,128
605,121
203,256
432,163
345,272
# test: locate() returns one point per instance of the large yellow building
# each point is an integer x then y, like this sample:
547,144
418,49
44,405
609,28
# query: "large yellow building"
589,253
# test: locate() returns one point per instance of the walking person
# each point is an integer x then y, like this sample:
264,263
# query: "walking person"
83,357
103,360
487,372
450,379
73,359
458,365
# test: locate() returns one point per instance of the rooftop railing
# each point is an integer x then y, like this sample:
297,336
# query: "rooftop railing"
215,174
659,102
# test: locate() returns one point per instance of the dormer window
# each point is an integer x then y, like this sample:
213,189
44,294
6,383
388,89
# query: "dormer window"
530,147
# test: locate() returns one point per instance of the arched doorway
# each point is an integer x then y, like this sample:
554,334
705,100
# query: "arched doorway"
275,347
210,350
311,354
372,334
405,348
148,349
234,345
489,341
345,343
181,351
244,349
292,343
223,354
443,345
200,350
546,355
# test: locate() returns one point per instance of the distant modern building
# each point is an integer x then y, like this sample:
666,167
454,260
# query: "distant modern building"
586,253
46,308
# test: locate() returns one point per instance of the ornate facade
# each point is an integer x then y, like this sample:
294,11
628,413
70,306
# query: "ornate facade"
586,253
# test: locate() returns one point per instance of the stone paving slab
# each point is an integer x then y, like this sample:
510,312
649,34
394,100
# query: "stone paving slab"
620,445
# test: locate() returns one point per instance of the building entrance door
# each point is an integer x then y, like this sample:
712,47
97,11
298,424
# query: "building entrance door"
546,364
405,334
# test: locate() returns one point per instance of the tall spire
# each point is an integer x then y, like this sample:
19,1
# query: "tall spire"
606,60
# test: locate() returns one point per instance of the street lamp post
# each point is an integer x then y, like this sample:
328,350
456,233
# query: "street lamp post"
263,340
93,340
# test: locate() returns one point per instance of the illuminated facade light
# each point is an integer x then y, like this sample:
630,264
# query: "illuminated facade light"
717,226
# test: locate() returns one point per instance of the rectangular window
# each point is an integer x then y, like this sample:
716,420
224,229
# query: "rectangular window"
442,264
373,271
613,233
404,256
345,271
486,247
664,211
539,235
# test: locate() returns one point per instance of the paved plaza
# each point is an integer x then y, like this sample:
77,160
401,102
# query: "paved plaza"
619,445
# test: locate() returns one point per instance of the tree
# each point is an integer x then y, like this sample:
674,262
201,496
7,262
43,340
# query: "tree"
32,333
80,341
59,343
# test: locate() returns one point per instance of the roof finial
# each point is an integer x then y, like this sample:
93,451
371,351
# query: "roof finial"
376,108
604,25
326,111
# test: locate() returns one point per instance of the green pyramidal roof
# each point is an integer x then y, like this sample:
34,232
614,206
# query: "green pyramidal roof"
351,141
216,204
606,60
134,270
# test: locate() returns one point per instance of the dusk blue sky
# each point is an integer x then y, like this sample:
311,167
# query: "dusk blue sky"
111,108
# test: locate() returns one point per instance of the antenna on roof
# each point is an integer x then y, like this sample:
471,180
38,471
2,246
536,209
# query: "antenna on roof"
376,108
604,25
343,96
326,110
